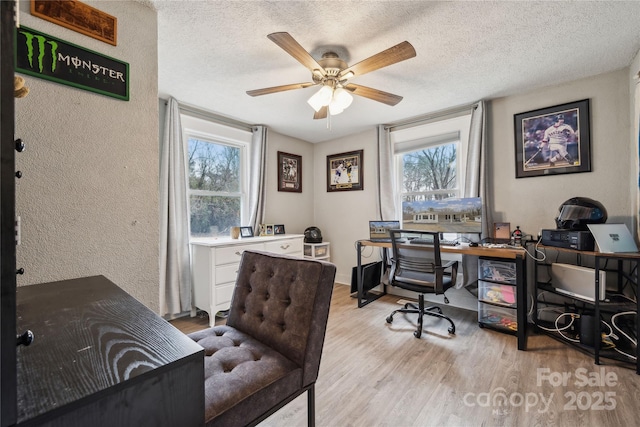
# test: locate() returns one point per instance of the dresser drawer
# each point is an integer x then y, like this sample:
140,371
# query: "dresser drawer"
290,246
233,254
226,273
224,292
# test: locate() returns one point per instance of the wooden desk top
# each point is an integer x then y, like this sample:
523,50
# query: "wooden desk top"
90,335
508,253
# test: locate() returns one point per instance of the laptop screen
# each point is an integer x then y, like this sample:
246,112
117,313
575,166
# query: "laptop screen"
613,238
379,230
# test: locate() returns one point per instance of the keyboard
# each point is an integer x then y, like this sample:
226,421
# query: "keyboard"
430,242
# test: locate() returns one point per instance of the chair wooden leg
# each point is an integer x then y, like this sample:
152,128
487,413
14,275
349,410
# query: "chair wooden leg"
311,406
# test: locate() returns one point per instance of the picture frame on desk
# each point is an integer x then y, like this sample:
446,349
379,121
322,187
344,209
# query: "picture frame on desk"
553,140
266,229
278,229
345,171
246,232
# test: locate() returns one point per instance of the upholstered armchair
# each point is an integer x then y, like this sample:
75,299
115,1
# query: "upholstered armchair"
268,353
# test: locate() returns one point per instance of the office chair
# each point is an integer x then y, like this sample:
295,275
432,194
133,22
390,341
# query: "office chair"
416,266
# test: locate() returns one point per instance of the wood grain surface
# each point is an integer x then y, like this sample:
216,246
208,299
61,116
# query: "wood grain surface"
91,338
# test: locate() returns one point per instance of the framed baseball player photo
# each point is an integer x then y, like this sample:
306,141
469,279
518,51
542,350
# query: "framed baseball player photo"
553,140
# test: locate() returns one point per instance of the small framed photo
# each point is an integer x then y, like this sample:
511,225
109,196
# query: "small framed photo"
266,229
289,172
553,140
278,229
246,232
345,171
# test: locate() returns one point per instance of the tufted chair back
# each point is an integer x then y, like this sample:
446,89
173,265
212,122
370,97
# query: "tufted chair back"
284,305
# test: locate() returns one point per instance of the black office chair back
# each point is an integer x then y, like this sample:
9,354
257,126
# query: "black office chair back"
416,262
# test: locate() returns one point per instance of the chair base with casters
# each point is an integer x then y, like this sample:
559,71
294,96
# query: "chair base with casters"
421,310
416,265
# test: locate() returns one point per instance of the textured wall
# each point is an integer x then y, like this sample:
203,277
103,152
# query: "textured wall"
88,200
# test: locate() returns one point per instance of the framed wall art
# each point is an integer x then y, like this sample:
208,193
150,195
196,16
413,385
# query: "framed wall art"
78,16
553,140
289,172
345,171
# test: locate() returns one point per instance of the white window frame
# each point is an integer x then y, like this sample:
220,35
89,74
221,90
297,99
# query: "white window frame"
209,131
428,135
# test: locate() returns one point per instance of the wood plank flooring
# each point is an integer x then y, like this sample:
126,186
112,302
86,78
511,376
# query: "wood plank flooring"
377,374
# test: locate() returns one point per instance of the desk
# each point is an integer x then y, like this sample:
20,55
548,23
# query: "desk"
518,255
100,358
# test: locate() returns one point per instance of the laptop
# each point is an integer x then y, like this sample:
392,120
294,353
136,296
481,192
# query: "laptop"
613,238
379,230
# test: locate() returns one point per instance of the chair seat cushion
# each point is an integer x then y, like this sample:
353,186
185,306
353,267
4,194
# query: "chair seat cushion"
242,376
420,282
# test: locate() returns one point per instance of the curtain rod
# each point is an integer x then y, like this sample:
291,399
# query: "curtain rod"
428,117
208,115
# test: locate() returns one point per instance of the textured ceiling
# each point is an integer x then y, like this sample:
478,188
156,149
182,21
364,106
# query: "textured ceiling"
212,52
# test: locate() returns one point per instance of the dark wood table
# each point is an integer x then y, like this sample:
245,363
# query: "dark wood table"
101,358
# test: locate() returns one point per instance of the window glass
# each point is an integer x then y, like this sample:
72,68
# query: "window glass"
430,161
430,173
215,195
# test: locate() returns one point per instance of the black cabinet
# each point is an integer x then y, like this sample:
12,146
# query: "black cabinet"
601,327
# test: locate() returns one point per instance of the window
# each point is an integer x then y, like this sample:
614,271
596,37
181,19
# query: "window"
217,181
430,160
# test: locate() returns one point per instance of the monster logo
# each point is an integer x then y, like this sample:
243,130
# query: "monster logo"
41,50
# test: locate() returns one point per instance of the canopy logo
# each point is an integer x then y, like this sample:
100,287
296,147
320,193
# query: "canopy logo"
46,57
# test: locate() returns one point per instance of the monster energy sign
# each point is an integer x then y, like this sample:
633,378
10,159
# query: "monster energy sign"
46,57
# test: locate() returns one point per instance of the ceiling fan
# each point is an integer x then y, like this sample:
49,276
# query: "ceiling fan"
333,74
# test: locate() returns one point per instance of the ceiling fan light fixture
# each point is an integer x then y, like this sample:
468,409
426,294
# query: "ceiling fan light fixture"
321,98
342,97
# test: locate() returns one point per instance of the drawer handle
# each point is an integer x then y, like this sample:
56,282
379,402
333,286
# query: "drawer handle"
284,246
238,253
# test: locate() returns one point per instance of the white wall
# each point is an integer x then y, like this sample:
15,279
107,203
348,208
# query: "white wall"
294,210
343,216
532,203
88,199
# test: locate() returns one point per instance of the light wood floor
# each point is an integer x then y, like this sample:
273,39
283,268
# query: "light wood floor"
376,374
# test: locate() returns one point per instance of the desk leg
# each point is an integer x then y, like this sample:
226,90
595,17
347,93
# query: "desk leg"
521,311
365,298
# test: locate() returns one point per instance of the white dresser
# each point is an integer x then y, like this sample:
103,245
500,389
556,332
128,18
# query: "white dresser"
214,266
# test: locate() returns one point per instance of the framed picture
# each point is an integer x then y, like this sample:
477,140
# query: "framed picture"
289,172
266,229
78,16
246,232
278,229
553,140
345,171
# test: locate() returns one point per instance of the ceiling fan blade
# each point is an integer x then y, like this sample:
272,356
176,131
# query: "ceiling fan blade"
375,94
268,90
293,48
393,55
321,113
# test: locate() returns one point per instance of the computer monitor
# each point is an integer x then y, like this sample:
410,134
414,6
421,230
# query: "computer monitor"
454,215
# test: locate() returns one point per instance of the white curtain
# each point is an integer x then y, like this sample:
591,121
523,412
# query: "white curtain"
175,272
475,185
386,175
257,180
